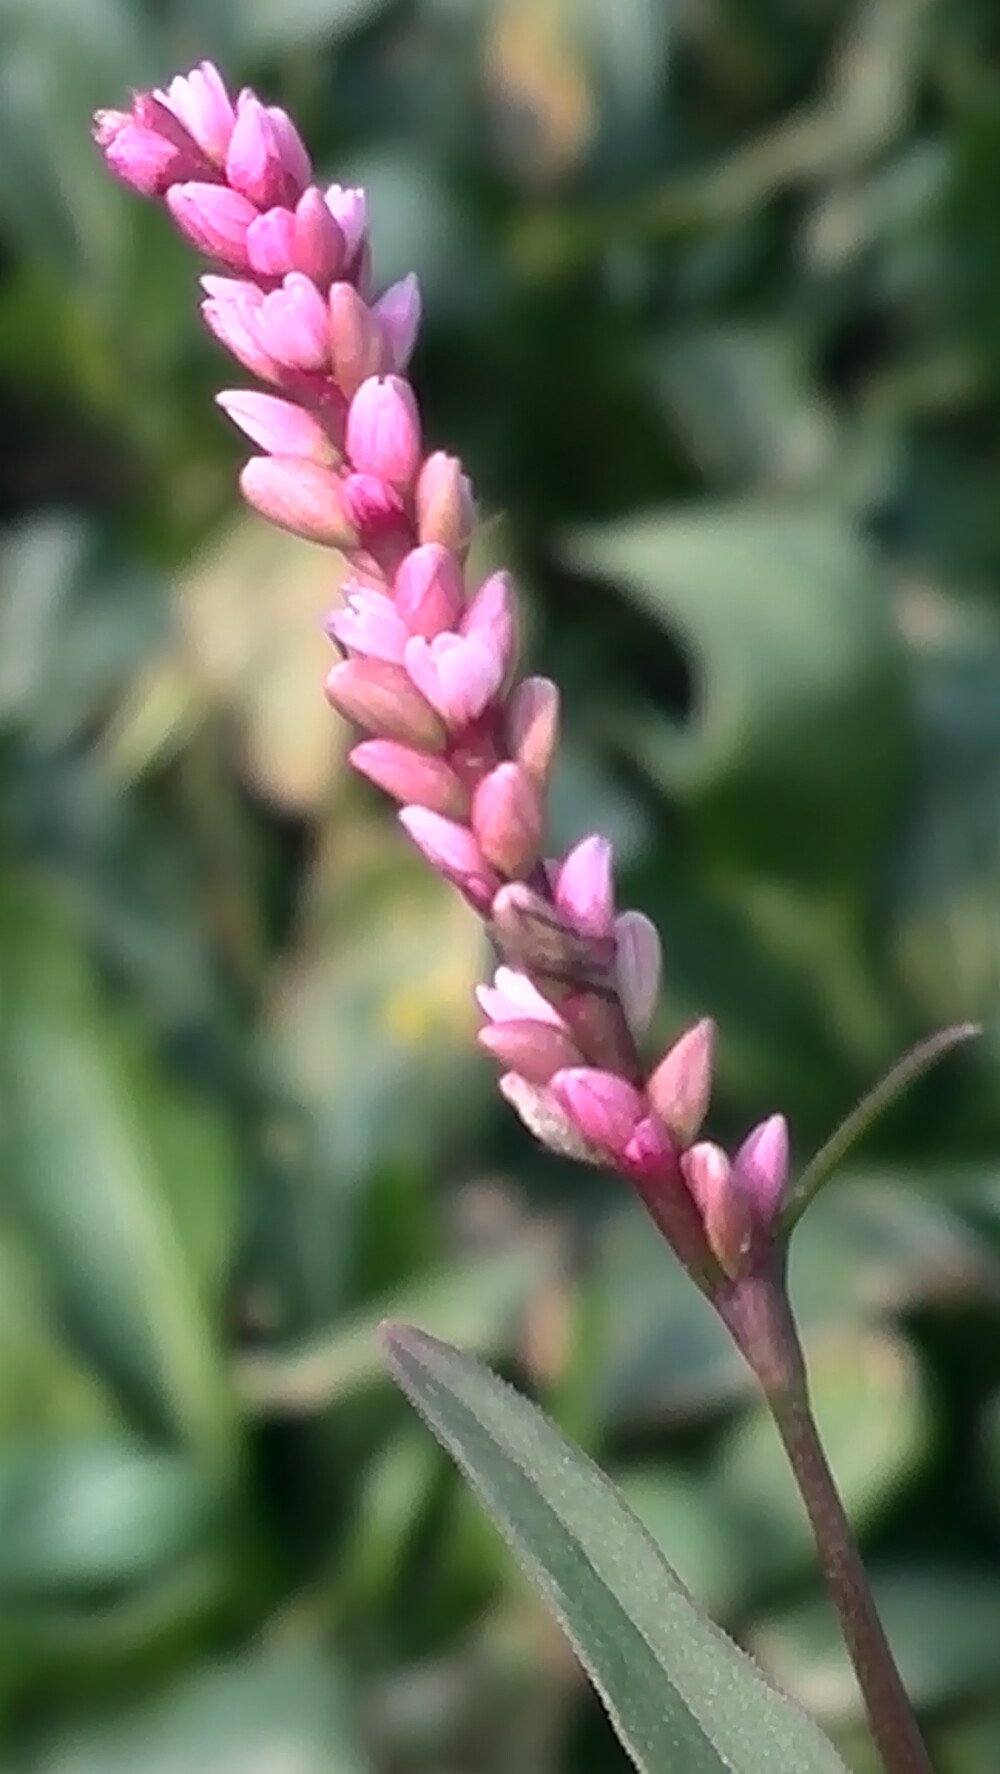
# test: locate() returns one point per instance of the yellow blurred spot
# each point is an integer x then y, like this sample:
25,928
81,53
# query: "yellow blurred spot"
541,88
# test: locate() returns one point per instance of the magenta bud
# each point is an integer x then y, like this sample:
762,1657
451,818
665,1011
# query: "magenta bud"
761,1167
725,1211
319,248
533,725
253,159
368,623
513,997
383,430
278,426
202,104
292,324
490,616
348,206
445,508
292,152
299,496
546,1120
356,344
398,315
141,158
606,1109
377,695
214,219
508,819
650,1155
411,776
271,243
680,1088
584,891
429,590
230,311
459,677
638,964
535,1050
453,851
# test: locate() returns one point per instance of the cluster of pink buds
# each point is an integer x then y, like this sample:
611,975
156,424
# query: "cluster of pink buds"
428,672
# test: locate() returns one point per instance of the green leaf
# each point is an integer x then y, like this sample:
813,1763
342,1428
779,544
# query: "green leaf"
795,744
84,1514
264,1710
87,1179
679,1694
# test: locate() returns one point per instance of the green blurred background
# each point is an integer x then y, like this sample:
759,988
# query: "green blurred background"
713,315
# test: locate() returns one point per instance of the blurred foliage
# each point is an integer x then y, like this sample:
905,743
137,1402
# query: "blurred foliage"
713,293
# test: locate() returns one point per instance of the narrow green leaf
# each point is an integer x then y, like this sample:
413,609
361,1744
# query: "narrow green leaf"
679,1694
912,1066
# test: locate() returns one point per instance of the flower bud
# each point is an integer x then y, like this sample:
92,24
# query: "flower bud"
584,891
453,851
508,819
459,677
383,430
725,1211
604,1108
681,1086
278,426
429,591
379,696
445,508
761,1167
638,964
214,219
533,725
411,776
300,496
397,312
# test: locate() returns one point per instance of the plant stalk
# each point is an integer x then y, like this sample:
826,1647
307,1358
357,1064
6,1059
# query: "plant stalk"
760,1318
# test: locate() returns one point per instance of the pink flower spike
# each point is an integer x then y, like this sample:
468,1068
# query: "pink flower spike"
253,159
638,965
378,696
584,892
761,1167
533,725
428,590
292,324
490,617
680,1088
535,1050
319,245
398,315
725,1212
453,851
214,219
200,100
605,1108
349,209
369,624
508,819
278,426
271,243
446,511
458,677
294,154
410,776
383,430
299,496
357,348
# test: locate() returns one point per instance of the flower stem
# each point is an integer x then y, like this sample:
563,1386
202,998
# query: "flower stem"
760,1319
